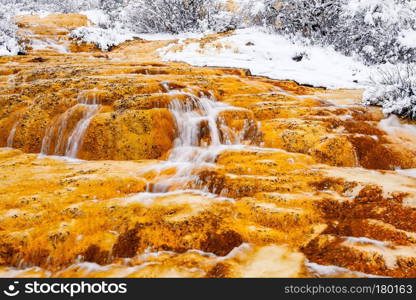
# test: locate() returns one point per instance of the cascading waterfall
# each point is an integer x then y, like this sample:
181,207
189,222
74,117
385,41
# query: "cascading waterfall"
202,135
75,140
58,141
10,139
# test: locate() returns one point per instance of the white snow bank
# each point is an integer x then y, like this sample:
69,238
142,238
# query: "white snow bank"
275,56
8,45
105,39
50,44
408,38
394,88
97,17
387,11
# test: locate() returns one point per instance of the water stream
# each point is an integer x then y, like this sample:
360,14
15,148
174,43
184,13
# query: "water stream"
62,140
202,134
10,139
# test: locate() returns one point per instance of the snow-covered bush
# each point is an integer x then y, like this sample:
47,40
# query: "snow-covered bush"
66,6
110,12
105,14
371,29
176,16
105,39
394,89
9,43
313,19
111,8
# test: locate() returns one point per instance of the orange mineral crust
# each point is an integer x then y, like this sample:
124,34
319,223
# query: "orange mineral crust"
117,164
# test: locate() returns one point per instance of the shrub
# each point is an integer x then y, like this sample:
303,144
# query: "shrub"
315,20
395,90
369,29
372,28
176,16
9,42
105,39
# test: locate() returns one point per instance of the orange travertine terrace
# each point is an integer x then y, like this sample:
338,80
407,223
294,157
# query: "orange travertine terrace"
191,172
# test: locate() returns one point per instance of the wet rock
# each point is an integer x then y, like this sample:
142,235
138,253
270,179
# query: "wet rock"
127,244
221,244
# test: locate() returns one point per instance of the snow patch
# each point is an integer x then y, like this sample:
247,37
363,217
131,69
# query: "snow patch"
97,17
408,38
169,36
104,39
274,56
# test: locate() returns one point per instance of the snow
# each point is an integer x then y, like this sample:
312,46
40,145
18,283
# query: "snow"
271,55
8,46
387,11
408,38
105,39
394,88
265,54
49,44
97,17
169,36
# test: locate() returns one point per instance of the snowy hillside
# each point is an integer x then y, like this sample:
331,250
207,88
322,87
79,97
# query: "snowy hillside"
275,56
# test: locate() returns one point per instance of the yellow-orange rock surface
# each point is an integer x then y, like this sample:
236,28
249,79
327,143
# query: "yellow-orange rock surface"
314,193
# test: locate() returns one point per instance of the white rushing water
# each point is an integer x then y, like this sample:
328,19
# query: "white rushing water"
10,138
69,143
202,135
75,139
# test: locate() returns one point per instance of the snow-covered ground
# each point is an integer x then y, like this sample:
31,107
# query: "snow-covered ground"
105,39
254,48
274,56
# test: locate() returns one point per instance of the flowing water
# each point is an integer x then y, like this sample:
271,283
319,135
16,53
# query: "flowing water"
60,138
75,140
202,134
10,139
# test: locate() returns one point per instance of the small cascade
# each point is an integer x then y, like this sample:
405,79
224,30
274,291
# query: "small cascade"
64,136
10,139
202,135
75,140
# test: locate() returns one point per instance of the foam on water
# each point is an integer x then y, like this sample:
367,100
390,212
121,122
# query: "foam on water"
393,124
147,198
335,271
365,240
61,158
407,172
